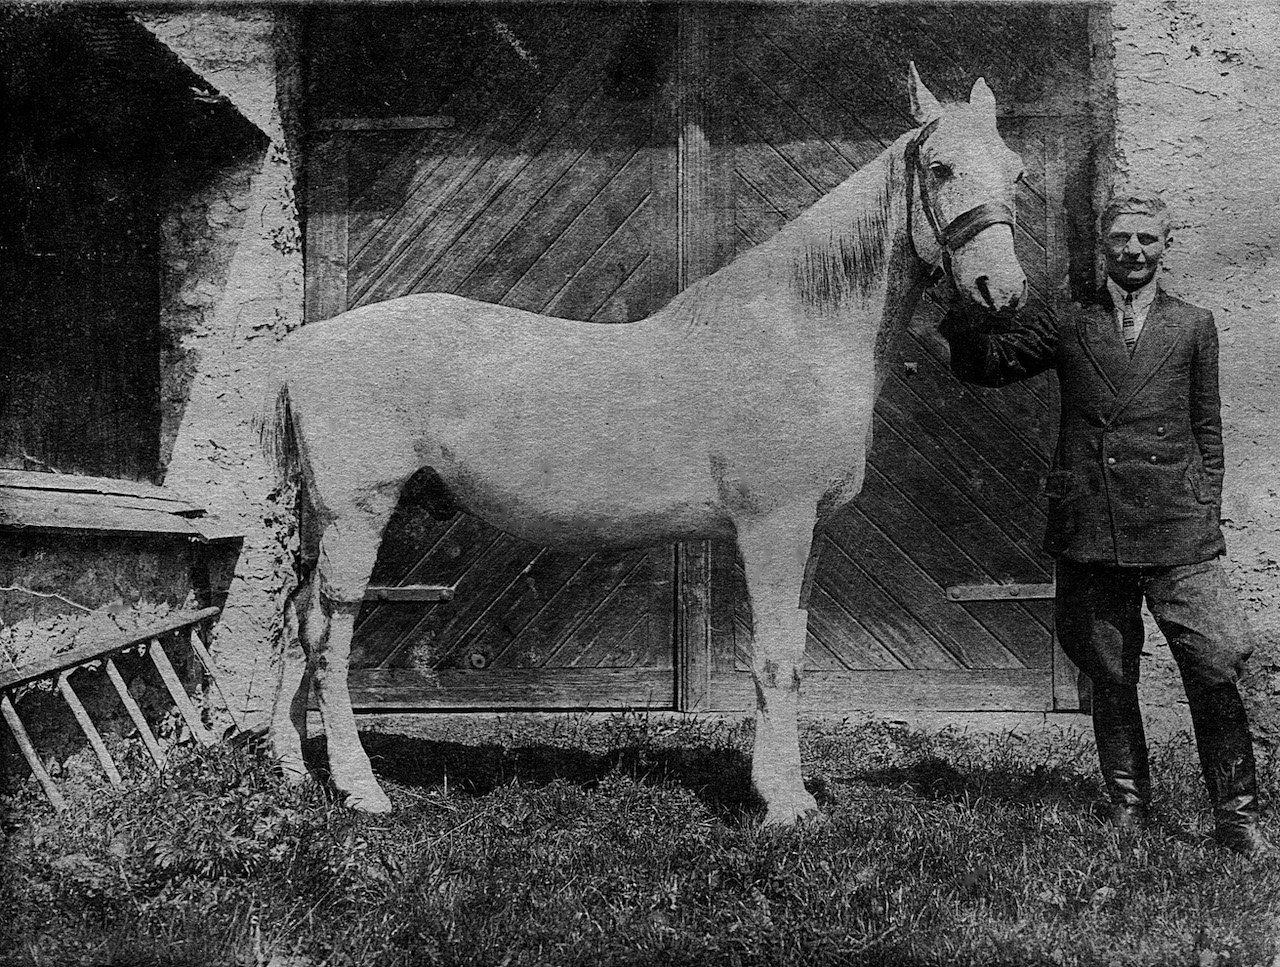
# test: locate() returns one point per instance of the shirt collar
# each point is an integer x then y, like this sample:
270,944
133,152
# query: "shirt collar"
1142,298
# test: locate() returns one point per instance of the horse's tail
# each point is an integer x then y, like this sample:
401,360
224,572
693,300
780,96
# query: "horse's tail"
277,434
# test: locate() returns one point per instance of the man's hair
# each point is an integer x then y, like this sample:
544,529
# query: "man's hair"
1135,203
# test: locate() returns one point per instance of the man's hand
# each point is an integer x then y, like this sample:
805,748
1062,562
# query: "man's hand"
966,316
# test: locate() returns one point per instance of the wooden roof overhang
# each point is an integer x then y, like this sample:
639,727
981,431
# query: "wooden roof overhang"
33,503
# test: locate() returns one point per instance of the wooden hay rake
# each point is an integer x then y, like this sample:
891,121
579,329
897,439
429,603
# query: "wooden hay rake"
188,627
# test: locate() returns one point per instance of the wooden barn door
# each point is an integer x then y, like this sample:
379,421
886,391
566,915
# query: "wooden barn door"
931,591
517,156
587,162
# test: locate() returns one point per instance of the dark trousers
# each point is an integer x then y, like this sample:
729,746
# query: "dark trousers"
1099,620
1099,624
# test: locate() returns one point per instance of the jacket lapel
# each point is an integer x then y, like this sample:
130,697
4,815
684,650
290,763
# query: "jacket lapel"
1102,341
1158,339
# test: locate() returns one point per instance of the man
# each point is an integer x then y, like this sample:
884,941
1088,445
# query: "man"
1135,494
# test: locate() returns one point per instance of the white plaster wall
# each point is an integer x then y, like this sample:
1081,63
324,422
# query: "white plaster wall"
235,286
1198,118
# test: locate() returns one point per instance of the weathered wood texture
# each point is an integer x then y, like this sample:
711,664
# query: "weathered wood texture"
40,502
102,648
954,475
599,159
181,626
548,191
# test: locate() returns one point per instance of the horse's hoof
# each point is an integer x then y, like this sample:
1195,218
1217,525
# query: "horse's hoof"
795,812
373,801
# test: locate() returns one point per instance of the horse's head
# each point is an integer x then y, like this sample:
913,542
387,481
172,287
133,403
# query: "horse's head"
962,202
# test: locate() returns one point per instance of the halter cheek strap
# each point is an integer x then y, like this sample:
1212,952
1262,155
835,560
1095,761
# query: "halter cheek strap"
961,229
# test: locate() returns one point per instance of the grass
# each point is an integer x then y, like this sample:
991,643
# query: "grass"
631,841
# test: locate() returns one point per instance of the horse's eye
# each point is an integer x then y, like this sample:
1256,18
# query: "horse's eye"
940,171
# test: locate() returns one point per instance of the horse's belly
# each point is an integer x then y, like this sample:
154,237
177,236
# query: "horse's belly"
584,532
574,507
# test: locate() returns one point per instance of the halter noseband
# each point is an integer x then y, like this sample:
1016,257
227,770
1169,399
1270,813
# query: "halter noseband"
960,229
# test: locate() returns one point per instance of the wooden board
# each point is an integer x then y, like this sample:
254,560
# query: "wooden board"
952,496
33,502
594,187
74,483
548,191
101,647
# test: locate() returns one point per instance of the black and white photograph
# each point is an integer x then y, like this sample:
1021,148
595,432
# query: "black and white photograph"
628,482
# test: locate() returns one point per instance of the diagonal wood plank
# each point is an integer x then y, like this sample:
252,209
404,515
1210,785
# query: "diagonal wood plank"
515,129
969,642
947,556
959,460
858,594
613,263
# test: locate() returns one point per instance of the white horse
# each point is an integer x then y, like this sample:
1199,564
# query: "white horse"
740,411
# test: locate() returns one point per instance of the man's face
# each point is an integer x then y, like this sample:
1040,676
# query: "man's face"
1133,245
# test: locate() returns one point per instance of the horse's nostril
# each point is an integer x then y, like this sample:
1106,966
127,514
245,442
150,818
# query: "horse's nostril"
984,287
1019,296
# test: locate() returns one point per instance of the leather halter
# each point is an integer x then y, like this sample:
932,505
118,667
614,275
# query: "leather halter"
961,229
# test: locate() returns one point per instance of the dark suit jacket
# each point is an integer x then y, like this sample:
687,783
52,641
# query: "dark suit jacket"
1137,474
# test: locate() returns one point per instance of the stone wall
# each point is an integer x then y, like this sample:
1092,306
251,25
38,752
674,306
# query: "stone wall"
1197,115
233,285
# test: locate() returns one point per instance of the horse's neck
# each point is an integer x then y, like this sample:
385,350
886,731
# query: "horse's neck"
866,214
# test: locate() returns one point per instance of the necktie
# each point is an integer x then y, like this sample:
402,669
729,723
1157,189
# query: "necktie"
1129,324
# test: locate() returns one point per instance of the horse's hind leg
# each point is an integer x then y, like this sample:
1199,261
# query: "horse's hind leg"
348,550
289,710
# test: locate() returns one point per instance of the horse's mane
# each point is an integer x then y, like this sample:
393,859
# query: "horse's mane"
835,249
850,255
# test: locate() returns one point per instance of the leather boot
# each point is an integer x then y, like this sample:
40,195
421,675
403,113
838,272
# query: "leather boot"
1226,758
1122,753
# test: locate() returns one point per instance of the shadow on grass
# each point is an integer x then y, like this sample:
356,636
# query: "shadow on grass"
720,777
933,778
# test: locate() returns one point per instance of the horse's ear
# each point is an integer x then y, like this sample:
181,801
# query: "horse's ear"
924,106
982,98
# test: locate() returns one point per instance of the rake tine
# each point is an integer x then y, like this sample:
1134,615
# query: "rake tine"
29,753
179,694
86,726
195,639
135,713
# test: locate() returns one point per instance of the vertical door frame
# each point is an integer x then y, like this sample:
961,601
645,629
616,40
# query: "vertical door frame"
325,256
697,230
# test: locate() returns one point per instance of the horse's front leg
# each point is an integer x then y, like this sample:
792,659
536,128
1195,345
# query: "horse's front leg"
775,551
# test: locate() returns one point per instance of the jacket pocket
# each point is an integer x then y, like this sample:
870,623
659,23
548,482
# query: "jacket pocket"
1061,485
1205,486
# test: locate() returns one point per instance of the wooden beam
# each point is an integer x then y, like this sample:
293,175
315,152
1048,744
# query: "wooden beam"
327,219
43,510
99,647
404,123
693,625
29,753
135,713
408,593
195,638
700,178
1000,592
74,483
515,688
90,732
879,691
186,708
